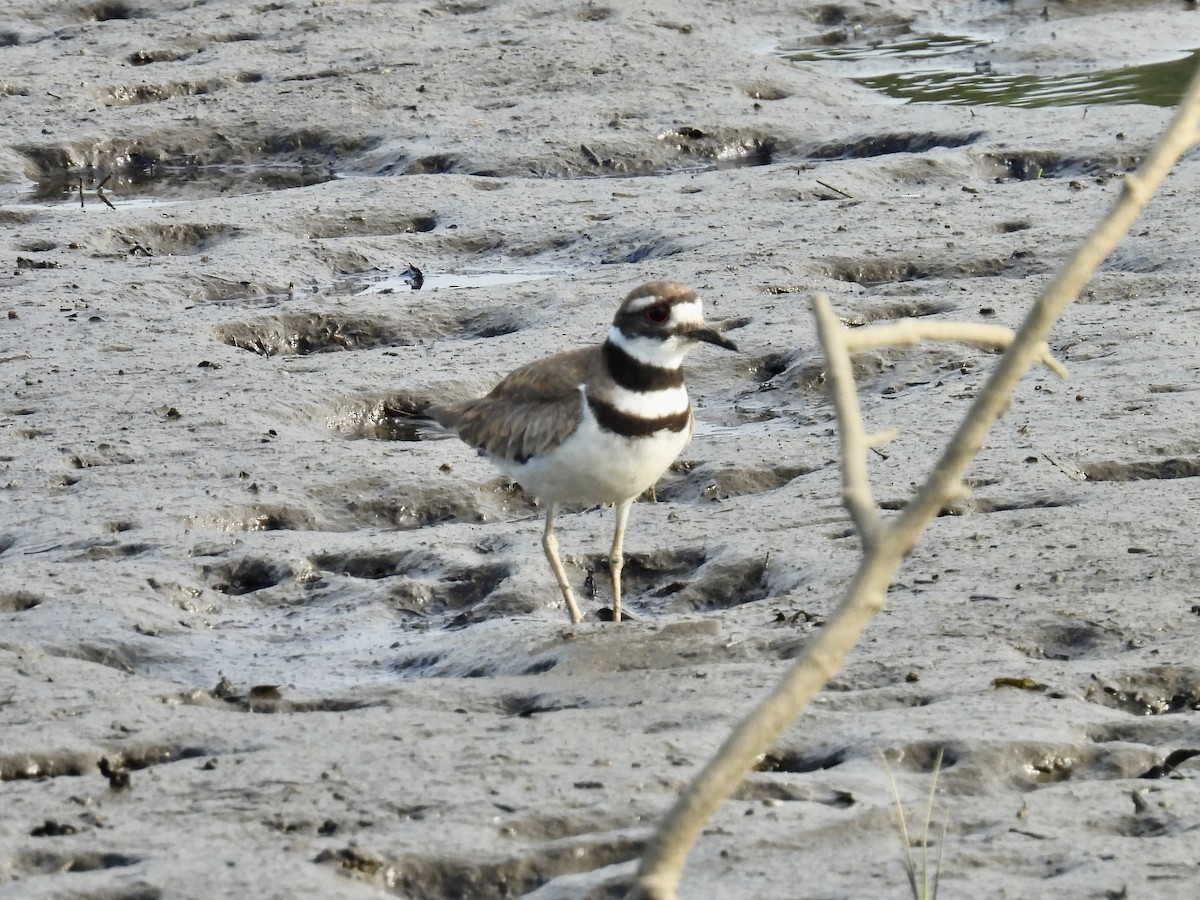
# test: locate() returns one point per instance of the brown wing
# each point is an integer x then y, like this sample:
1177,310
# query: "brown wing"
531,411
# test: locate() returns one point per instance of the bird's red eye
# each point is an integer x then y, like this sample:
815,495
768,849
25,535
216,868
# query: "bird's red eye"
658,313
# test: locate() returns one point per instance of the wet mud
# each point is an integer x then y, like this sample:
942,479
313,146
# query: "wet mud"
253,602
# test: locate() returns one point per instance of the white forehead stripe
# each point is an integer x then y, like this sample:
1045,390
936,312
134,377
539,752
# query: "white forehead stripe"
640,303
690,312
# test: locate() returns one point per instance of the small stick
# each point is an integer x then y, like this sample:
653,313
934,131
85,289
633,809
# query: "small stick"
100,191
835,190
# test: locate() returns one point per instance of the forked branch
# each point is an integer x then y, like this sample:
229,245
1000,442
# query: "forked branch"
910,332
885,544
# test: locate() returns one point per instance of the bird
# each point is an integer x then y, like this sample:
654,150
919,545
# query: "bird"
598,424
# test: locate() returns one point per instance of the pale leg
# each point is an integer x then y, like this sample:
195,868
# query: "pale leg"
550,545
616,556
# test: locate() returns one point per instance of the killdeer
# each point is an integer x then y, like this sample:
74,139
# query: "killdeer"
595,425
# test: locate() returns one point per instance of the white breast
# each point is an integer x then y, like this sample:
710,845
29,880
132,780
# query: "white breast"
594,466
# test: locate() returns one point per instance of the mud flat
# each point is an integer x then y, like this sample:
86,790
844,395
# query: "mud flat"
259,637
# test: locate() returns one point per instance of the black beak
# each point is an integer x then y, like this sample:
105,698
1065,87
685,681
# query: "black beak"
712,337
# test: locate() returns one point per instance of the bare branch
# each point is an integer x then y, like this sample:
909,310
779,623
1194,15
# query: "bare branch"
909,332
856,487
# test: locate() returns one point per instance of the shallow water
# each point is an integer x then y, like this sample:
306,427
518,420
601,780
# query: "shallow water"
974,81
1154,84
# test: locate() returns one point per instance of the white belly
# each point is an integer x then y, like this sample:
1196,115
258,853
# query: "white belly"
593,466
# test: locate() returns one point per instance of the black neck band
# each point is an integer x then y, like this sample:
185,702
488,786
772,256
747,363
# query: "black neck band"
628,425
635,375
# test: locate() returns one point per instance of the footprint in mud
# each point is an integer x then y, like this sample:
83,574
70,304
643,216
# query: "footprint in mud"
164,240
41,862
684,147
1143,470
1075,639
873,370
721,147
1012,227
873,272
708,482
1155,691
107,11
264,698
455,665
445,876
889,143
382,417
923,757
664,571
912,308
636,248
800,761
434,164
74,764
246,575
1028,765
713,483
420,584
975,767
377,503
135,94
149,57
679,581
124,656
765,90
721,585
18,601
364,225
260,517
983,505
1031,165
299,334
524,706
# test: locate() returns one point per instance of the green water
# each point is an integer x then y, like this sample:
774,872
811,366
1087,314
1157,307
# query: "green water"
1155,84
